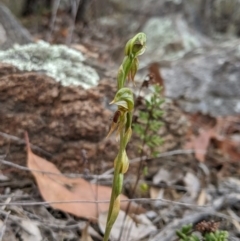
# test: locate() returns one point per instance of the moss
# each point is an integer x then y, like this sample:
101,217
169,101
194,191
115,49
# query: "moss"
58,61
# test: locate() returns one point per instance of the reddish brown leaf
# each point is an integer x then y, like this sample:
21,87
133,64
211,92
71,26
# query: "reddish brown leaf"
55,187
200,143
224,132
201,132
229,148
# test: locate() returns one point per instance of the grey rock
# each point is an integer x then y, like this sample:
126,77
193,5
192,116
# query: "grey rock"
208,80
170,38
64,64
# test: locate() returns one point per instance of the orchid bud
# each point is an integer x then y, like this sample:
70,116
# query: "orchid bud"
136,46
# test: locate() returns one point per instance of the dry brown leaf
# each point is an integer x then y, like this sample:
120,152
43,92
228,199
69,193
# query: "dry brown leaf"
229,148
200,143
227,138
223,132
55,188
202,130
154,70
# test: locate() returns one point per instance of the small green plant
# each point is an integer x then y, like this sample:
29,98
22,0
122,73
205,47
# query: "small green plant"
146,127
148,123
122,122
208,231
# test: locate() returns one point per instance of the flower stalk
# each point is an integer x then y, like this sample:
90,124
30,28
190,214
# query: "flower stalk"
122,122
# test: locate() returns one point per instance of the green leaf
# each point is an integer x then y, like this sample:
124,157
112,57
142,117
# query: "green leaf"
194,238
187,229
144,115
155,153
155,124
145,171
150,144
158,88
157,113
181,235
147,103
159,102
138,129
157,140
153,128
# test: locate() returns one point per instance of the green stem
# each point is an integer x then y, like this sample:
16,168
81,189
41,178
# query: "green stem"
133,48
115,182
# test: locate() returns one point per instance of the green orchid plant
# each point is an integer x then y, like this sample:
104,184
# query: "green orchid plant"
122,122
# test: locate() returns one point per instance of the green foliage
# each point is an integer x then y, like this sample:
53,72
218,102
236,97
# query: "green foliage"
216,236
186,234
149,121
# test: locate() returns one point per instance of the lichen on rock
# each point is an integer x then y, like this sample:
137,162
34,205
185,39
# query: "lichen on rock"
64,64
170,38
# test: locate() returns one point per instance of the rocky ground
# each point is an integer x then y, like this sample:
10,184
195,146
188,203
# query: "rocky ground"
60,96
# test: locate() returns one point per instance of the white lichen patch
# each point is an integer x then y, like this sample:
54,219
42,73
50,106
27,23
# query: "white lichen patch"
58,61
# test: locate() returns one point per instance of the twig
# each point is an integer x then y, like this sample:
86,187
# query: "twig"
105,175
45,222
8,163
22,141
75,6
53,18
168,153
3,228
103,201
56,224
70,175
235,218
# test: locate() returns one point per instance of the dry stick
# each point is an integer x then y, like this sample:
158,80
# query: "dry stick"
8,163
21,141
235,219
104,201
105,175
45,222
70,175
75,6
3,228
55,7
